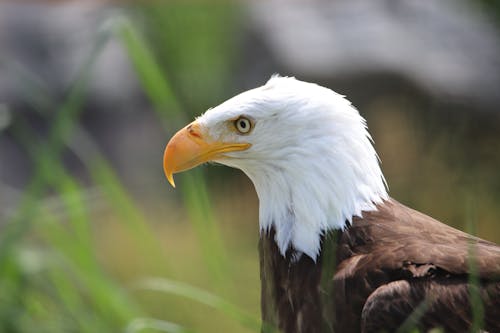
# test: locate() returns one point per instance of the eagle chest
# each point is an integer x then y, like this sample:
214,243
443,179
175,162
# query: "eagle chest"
300,295
297,293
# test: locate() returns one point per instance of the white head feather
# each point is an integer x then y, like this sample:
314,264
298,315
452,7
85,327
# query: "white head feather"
311,161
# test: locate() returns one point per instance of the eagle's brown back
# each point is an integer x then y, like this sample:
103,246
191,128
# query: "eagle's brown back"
394,255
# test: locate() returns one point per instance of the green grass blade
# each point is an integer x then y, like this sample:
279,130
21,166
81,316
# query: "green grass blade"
475,300
124,206
141,324
76,249
60,130
411,323
194,192
72,240
199,209
203,297
149,72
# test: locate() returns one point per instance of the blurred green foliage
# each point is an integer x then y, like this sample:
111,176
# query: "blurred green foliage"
195,44
493,6
81,256
51,276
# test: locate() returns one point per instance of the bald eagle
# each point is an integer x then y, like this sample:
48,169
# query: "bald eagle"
337,254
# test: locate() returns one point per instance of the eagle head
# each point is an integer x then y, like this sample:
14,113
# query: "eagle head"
305,148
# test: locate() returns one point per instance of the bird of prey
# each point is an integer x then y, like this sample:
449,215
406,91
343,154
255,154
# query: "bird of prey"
337,253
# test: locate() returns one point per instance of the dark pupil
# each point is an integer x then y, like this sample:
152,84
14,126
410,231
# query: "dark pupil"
243,124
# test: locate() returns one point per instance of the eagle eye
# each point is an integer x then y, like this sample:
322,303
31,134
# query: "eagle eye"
243,125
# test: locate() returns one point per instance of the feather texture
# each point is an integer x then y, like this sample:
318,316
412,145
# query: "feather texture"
382,268
336,253
312,161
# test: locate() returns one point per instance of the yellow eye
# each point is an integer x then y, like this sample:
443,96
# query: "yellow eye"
243,125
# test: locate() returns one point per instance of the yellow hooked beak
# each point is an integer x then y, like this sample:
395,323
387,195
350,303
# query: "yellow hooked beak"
190,147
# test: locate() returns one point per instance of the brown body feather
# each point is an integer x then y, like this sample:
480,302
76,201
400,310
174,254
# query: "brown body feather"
389,265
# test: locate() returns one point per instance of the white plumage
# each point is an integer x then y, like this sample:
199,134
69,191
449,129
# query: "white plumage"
311,159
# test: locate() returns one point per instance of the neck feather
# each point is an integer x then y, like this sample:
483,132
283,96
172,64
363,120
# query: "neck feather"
316,190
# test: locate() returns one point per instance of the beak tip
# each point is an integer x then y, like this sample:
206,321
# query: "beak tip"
167,167
170,179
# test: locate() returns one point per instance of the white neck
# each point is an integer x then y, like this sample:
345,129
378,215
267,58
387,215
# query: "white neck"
312,160
310,191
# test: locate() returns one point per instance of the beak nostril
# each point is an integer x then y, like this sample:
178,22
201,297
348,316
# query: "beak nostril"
193,132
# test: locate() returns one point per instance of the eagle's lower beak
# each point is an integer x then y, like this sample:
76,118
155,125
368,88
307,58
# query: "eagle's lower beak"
190,147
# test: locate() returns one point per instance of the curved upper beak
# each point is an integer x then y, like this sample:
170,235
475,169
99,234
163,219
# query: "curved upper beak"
190,147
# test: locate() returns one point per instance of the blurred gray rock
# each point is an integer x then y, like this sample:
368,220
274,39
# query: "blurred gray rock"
45,46
449,48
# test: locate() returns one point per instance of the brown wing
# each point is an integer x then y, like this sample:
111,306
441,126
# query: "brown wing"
425,304
396,243
394,236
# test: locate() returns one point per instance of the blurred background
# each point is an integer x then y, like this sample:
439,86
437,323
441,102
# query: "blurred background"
92,237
